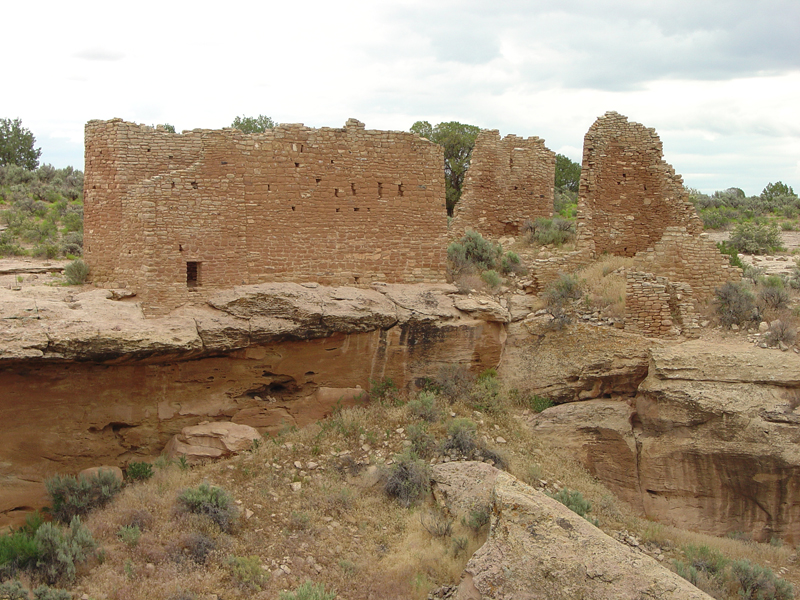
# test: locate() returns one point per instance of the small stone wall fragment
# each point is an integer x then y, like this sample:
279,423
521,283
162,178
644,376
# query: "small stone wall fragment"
509,181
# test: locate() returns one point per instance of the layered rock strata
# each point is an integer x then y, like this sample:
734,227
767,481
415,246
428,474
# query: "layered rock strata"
709,443
100,384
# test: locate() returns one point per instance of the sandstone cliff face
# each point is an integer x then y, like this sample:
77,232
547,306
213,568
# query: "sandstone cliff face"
99,384
538,548
710,442
579,362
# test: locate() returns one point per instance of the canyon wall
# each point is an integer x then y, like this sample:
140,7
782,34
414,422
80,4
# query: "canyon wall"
87,380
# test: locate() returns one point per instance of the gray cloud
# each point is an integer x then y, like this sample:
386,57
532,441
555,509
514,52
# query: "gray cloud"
616,45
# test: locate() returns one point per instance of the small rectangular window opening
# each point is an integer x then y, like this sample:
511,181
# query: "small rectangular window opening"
192,274
400,190
380,190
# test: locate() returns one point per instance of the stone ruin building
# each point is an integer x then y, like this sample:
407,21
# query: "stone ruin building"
173,216
509,181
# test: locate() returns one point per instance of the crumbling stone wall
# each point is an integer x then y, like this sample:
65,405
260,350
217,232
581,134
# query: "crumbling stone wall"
176,215
657,307
509,180
692,259
628,195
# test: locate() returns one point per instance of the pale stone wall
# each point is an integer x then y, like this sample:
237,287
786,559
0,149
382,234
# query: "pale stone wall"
657,307
628,195
693,259
509,180
335,206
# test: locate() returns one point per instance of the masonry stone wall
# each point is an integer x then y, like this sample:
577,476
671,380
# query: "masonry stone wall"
628,195
657,307
509,181
175,216
692,259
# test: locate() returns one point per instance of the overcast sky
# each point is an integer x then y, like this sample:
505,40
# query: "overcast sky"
718,79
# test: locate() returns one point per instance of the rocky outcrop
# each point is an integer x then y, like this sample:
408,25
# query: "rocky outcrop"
538,548
99,383
579,362
709,444
211,440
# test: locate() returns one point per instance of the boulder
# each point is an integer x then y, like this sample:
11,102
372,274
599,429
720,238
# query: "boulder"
538,548
211,440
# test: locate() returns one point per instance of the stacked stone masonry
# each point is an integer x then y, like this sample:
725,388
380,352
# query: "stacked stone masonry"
509,181
174,216
656,307
693,259
628,195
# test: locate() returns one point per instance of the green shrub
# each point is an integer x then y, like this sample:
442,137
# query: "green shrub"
129,534
705,559
757,238
735,304
18,550
485,396
47,593
732,254
473,252
574,501
491,278
408,479
61,548
246,572
422,442
688,572
538,403
76,272
211,501
565,288
308,591
424,407
555,231
780,331
13,590
384,391
760,583
773,297
454,381
461,434
139,471
70,496
476,520
511,264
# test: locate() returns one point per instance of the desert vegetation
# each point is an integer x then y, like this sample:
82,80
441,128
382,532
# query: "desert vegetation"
318,512
751,217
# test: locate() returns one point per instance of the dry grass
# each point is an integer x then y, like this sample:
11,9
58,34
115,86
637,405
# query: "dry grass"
339,528
604,288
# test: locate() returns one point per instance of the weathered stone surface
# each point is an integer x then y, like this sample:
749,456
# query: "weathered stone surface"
599,434
538,548
709,444
485,309
100,383
316,310
211,440
579,362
